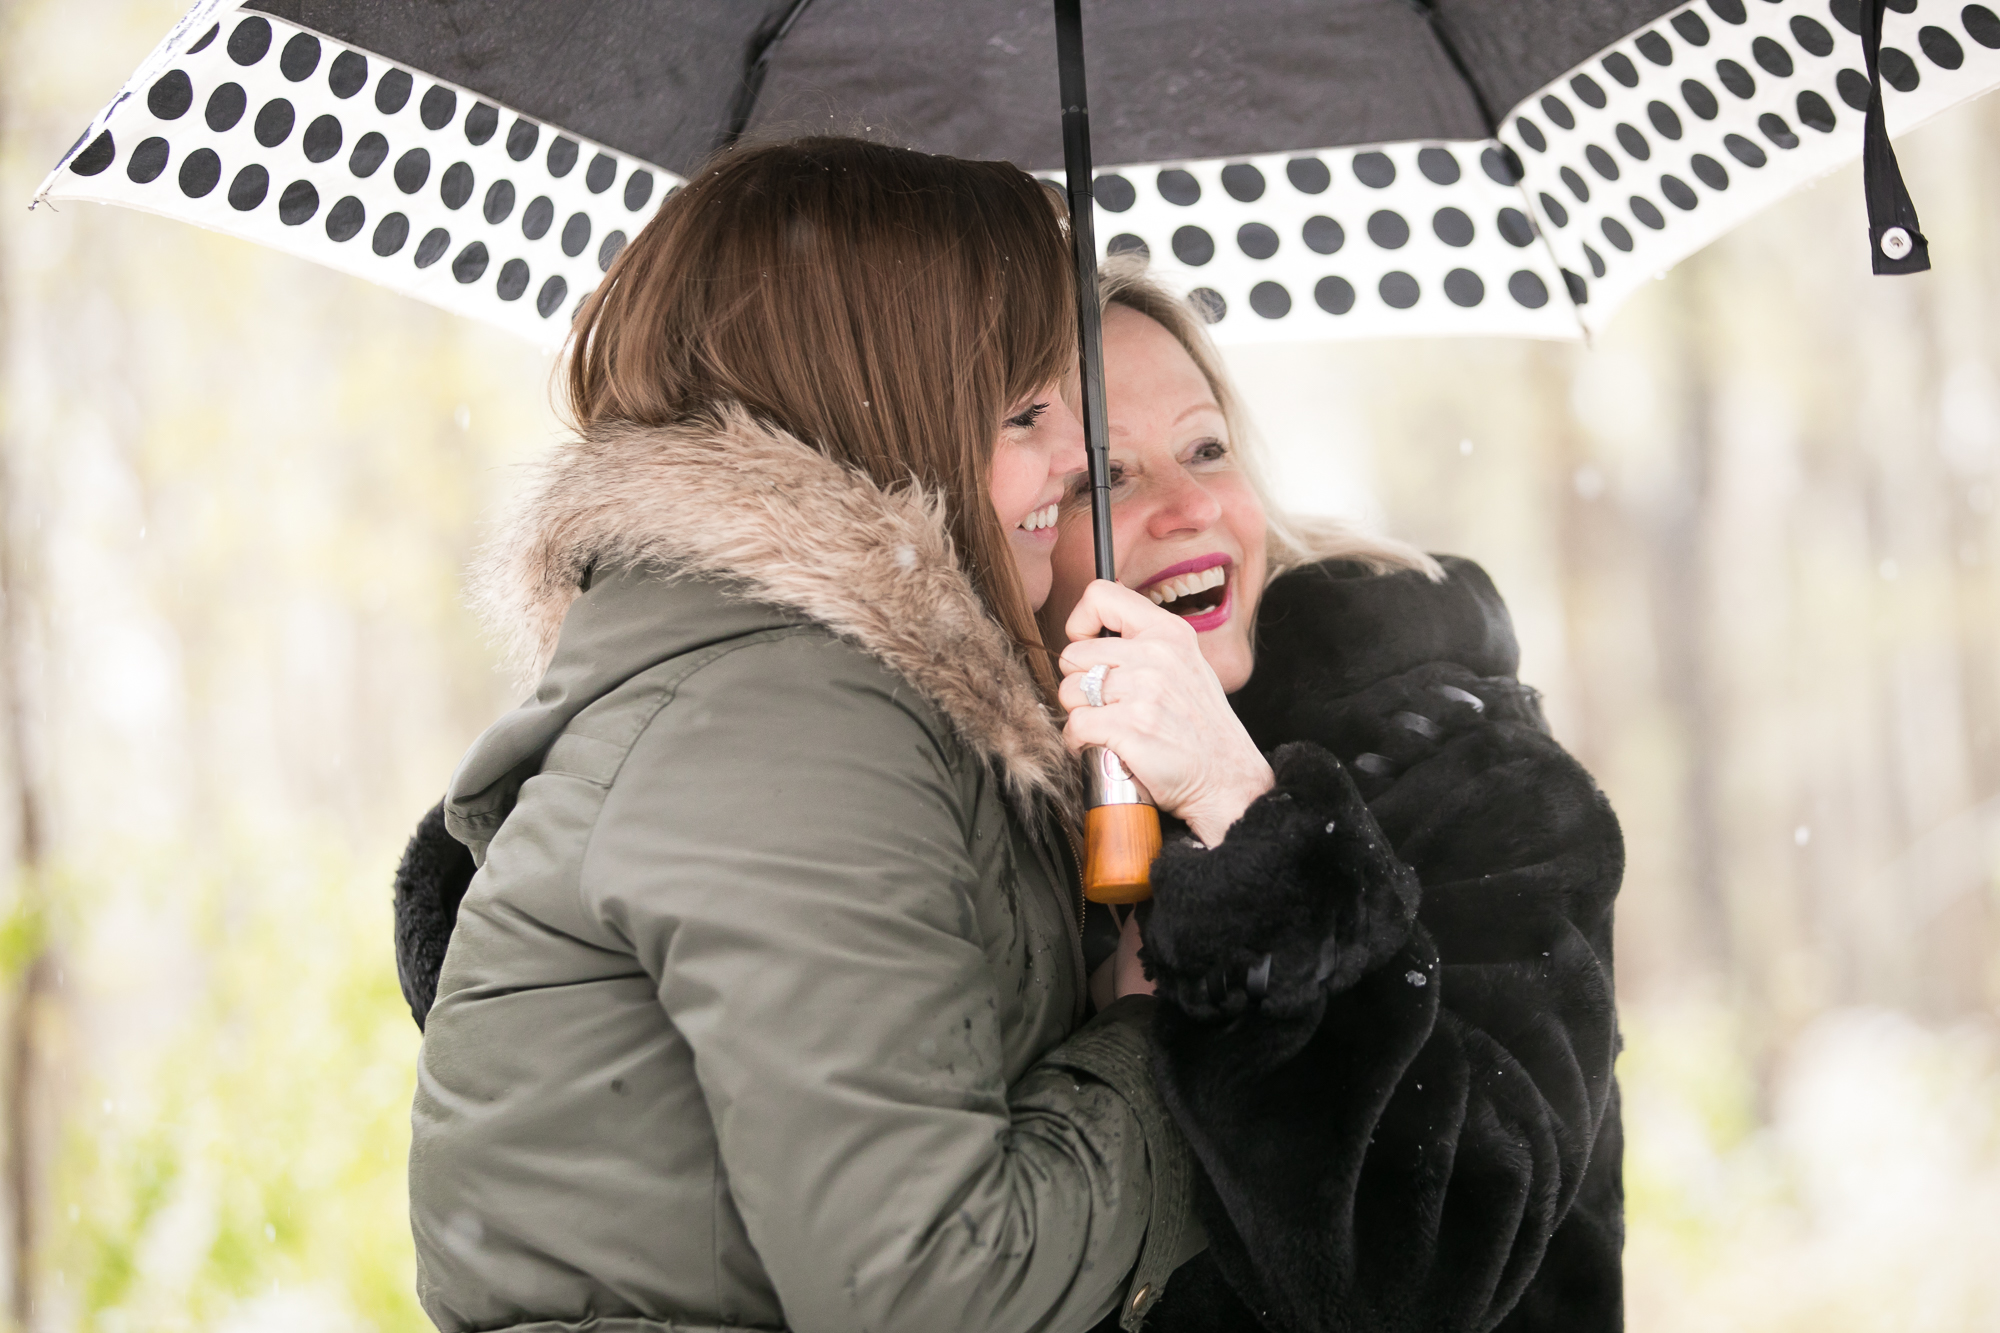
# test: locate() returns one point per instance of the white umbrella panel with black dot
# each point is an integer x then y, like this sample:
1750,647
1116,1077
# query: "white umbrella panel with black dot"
482,188
1596,183
254,127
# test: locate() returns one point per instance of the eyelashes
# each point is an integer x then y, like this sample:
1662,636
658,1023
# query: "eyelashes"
1207,451
1079,489
1027,419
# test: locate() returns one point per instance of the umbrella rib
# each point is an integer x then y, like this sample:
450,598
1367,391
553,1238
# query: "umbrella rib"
1429,11
756,65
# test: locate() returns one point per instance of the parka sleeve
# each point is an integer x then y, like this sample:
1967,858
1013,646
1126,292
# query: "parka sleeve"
787,850
1387,1024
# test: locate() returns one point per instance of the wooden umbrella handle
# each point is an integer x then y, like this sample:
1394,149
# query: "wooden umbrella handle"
1120,842
1121,831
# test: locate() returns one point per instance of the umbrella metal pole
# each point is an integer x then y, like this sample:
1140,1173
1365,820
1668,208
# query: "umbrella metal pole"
1121,825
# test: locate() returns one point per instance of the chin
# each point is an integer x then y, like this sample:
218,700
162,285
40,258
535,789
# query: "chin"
1230,660
1035,586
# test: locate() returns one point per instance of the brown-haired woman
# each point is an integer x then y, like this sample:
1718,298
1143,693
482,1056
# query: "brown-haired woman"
765,1007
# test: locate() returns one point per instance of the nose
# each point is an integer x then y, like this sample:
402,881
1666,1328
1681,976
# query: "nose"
1185,507
1065,437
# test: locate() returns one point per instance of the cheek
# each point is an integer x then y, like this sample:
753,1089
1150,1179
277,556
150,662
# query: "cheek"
1073,562
1235,656
1014,482
1244,517
1131,541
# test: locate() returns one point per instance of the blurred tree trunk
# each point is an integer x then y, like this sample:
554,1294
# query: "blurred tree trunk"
1963,355
28,949
1683,581
33,987
31,969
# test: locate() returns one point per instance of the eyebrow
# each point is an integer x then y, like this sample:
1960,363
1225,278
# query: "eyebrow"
1197,407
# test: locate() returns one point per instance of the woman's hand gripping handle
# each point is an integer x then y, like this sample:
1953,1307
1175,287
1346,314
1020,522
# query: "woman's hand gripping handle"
1164,719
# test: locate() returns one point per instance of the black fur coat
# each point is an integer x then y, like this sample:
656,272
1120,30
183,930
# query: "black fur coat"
1388,1027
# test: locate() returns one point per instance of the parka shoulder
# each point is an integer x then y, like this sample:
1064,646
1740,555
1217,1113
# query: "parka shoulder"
786,527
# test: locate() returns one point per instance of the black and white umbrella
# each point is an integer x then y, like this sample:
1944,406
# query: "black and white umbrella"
1305,168
1310,169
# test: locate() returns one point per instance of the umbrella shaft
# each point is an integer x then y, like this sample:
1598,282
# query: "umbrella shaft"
1120,839
1083,243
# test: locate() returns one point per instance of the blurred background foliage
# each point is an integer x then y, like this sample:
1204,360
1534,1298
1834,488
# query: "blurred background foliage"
1749,539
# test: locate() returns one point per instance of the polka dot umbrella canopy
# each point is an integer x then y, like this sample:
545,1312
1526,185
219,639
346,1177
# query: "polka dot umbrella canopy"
1306,170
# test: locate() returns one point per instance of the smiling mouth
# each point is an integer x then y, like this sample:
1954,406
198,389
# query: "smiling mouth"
1045,517
1192,594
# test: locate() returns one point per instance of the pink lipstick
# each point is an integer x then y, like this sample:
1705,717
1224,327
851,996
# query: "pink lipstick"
1194,581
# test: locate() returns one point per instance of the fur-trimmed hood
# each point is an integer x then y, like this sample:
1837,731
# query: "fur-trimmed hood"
741,502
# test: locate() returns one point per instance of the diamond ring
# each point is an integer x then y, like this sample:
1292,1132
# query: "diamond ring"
1093,685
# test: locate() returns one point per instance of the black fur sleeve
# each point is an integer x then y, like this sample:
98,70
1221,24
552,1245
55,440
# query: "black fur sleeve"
1389,1025
431,880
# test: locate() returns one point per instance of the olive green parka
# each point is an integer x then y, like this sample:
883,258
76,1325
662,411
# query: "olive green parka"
766,1007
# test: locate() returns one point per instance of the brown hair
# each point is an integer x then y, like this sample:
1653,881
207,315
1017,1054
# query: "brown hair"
1289,540
885,306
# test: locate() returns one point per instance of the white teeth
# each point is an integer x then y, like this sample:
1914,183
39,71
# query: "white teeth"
1187,585
1042,518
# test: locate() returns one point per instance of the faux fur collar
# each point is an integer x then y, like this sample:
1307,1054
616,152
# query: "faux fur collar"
742,501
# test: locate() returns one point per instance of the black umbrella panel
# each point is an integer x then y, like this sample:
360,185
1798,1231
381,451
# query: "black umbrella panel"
1308,170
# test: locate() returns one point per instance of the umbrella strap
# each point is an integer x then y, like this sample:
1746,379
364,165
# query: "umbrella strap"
1895,245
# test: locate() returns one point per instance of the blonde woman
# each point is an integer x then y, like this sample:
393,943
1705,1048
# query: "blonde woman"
1386,1021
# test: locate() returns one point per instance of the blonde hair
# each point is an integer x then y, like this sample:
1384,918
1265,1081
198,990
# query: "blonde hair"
1290,541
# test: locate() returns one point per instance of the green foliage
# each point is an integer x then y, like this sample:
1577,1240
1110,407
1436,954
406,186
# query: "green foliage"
1690,1109
262,1144
1855,1189
23,931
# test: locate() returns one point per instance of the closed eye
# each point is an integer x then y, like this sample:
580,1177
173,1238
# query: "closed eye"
1026,419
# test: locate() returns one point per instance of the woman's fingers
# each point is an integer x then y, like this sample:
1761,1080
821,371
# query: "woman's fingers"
1084,654
1127,655
1071,696
1129,614
1126,728
1155,736
1163,711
